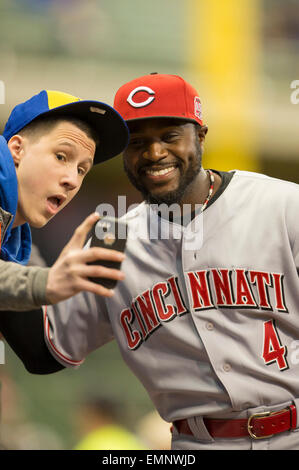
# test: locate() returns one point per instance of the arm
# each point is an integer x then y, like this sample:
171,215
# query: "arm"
76,327
61,327
60,337
26,288
22,288
24,333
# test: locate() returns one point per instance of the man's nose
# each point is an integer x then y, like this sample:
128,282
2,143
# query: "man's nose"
70,178
155,151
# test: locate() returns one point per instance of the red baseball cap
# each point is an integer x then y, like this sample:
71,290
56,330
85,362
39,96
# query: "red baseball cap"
158,95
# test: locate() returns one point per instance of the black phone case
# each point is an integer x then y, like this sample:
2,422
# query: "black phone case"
110,242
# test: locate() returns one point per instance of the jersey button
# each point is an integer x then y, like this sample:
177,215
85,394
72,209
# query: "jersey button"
227,367
209,326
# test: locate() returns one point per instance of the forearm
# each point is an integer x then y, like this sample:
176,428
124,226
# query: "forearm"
22,288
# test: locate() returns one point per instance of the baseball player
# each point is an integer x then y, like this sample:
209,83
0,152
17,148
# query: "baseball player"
48,146
207,316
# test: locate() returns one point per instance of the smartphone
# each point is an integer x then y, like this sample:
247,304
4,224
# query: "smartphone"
109,233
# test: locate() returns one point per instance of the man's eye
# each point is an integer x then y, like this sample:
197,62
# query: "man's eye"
170,137
82,171
60,157
136,142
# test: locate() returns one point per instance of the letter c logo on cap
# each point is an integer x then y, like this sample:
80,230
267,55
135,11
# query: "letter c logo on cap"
142,103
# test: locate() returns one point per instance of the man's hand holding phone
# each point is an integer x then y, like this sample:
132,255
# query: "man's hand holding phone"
109,234
95,269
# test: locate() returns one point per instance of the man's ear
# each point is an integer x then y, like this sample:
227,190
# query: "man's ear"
202,132
16,147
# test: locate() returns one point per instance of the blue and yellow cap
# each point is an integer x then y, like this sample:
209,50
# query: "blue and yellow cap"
108,123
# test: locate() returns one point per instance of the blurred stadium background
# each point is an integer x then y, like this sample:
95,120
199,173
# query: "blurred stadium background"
241,55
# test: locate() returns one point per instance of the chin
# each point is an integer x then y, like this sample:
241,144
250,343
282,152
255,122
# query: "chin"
168,198
38,223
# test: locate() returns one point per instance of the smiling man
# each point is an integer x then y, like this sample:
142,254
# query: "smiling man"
163,161
49,144
164,157
206,319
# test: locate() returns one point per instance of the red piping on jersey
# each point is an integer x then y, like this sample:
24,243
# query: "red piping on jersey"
59,354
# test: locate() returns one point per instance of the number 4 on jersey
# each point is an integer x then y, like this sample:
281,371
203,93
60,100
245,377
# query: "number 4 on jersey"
273,349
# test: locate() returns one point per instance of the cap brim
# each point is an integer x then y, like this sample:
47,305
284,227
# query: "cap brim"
106,121
177,118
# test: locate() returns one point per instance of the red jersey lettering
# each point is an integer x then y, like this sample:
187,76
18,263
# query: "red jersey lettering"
147,311
244,295
200,290
273,349
262,280
133,336
222,285
165,312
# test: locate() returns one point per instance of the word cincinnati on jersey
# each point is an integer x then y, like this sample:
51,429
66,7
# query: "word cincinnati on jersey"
209,288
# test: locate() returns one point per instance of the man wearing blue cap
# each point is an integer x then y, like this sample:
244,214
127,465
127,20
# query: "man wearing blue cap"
49,144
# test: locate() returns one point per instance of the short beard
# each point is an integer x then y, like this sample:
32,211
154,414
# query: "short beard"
171,197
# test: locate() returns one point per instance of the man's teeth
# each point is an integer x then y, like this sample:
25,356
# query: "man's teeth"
164,171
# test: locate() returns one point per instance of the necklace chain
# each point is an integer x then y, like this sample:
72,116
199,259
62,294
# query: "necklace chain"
211,188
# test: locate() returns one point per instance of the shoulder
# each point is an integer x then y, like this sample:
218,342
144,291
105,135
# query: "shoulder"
279,188
260,178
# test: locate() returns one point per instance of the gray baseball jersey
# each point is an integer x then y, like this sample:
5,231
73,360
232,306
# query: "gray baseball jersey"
207,317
